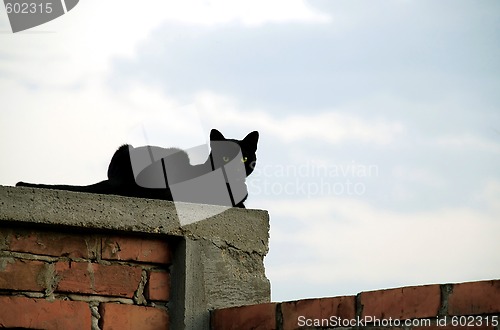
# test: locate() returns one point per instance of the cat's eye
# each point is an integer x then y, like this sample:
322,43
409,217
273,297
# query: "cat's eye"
225,159
244,159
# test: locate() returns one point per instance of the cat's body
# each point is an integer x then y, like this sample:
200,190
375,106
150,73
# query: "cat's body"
166,173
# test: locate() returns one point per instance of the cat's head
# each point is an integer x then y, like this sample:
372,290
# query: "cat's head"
237,152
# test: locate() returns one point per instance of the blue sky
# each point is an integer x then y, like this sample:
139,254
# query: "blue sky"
379,120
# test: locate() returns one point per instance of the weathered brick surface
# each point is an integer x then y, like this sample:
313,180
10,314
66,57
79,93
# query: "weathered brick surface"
325,308
131,317
136,249
402,303
21,312
257,317
158,287
126,258
24,275
52,244
92,278
475,298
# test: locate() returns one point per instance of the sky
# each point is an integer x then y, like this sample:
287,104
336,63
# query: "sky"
379,121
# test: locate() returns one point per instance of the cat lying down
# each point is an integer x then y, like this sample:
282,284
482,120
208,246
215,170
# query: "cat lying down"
166,173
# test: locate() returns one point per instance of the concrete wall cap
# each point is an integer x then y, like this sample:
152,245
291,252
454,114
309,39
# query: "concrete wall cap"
243,229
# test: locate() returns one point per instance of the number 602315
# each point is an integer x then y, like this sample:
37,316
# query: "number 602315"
28,8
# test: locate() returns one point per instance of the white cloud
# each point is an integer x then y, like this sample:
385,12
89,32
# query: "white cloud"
55,93
81,44
468,142
249,13
333,126
348,240
490,195
420,175
54,135
337,127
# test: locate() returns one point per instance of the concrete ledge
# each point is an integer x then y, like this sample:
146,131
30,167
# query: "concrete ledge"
247,230
218,264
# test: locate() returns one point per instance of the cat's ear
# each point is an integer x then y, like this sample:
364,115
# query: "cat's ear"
215,135
251,140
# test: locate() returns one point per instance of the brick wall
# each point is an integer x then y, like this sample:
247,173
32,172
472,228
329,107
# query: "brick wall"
77,261
474,305
63,280
83,261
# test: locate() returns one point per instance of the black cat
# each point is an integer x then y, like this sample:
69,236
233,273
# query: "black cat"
166,173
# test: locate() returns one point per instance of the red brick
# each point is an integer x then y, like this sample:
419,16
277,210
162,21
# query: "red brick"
317,309
92,278
54,244
475,298
23,275
132,317
256,317
402,303
136,249
29,313
158,287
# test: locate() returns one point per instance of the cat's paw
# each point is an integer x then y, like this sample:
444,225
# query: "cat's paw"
240,205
